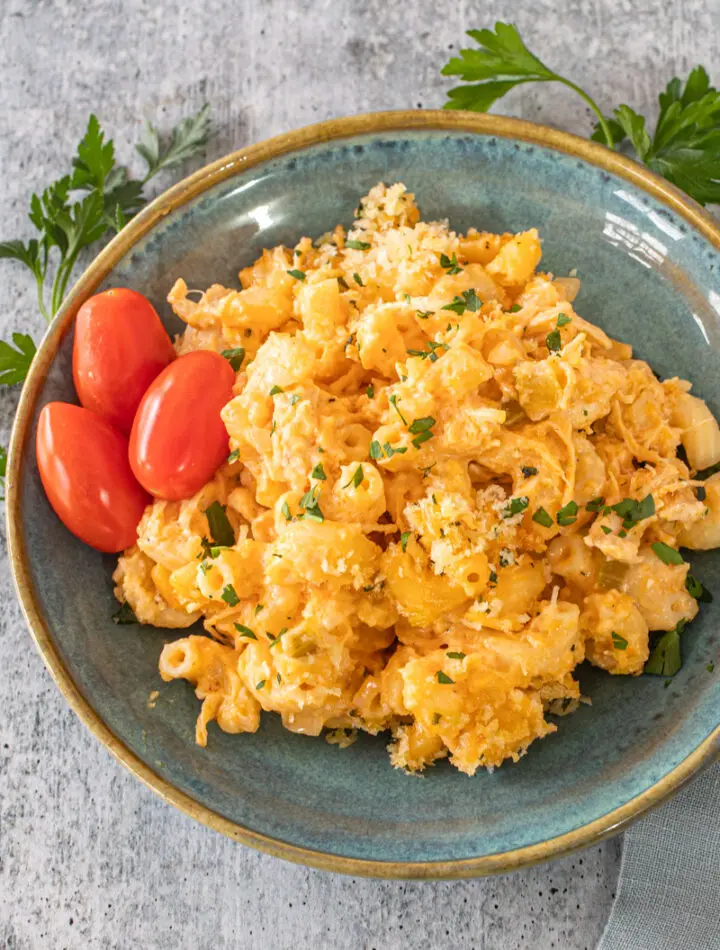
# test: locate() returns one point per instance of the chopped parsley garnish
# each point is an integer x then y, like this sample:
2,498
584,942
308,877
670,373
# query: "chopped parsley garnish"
358,279
515,506
596,504
444,678
234,455
516,308
620,643
260,684
404,538
391,450
230,596
393,400
666,658
258,609
697,590
318,472
427,469
309,502
528,471
370,391
667,554
467,300
279,679
421,425
275,390
436,718
125,615
456,656
450,264
430,353
295,399
632,511
358,245
563,320
286,511
244,631
542,517
553,341
221,531
604,528
274,640
376,451
710,667
424,314
422,437
343,284
297,274
567,514
357,479
235,357
493,577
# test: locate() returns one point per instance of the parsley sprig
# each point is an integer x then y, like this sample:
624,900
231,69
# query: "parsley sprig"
684,148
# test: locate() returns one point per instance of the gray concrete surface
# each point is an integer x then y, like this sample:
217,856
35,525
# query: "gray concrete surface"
88,857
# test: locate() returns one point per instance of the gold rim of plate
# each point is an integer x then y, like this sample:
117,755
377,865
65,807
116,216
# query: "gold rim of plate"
175,197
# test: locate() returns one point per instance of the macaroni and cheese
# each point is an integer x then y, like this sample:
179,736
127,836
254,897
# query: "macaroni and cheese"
445,490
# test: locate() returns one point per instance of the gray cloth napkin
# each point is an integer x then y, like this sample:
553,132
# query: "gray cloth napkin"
669,888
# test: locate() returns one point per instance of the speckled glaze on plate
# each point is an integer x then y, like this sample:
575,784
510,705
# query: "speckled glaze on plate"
648,259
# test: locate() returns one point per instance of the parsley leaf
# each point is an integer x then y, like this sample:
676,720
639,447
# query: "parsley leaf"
567,514
697,590
633,511
319,472
404,538
467,300
285,511
515,506
276,390
620,643
376,451
230,596
666,658
244,631
297,274
456,656
501,63
357,479
450,264
188,138
15,361
370,391
421,425
234,357
542,517
667,554
358,245
528,471
553,341
444,678
125,615
221,530
393,400
234,455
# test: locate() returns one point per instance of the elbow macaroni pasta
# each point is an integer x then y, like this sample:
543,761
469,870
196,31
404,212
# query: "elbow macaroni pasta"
432,461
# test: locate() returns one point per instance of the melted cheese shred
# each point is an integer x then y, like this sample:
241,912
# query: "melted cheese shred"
414,409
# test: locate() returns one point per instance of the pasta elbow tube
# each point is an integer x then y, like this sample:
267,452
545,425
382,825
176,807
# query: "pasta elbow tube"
704,534
700,431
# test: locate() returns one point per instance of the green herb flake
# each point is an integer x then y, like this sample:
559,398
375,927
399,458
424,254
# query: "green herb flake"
424,314
275,640
234,455
404,538
620,643
358,245
297,274
516,308
235,357
319,472
125,615
710,667
543,518
393,400
605,530
666,658
595,505
515,506
493,576
286,511
528,471
553,341
421,425
343,284
221,531
260,684
422,437
230,596
376,451
370,391
697,590
567,514
667,554
444,678
244,631
633,511
357,478
358,279
279,679
258,609
436,718
276,390
563,320
456,656
391,450
450,264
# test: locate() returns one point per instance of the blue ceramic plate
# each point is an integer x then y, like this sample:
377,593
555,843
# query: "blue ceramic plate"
648,260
